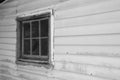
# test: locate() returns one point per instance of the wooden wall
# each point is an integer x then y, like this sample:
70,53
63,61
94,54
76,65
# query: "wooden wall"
86,40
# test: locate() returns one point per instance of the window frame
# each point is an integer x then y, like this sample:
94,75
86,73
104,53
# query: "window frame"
50,39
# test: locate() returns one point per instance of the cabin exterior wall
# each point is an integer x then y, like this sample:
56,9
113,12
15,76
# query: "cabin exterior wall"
86,40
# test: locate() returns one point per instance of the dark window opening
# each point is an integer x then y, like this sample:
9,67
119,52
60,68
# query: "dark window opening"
34,38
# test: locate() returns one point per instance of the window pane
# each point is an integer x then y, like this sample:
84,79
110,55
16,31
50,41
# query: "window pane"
35,46
44,47
44,28
35,29
27,47
26,30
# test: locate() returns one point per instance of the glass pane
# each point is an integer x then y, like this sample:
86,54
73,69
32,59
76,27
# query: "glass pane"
44,28
27,47
44,47
35,46
35,29
26,30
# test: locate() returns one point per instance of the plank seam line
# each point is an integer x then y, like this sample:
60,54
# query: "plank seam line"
84,35
100,13
86,25
8,43
88,54
102,66
107,45
90,75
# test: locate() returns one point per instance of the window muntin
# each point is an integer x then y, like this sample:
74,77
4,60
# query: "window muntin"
34,35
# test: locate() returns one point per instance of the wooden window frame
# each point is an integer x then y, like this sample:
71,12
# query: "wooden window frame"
19,59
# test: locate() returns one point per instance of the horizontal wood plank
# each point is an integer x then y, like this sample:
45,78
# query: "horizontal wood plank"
65,75
69,4
98,8
8,28
8,34
110,51
109,40
7,47
35,5
93,60
30,75
7,58
8,11
8,77
89,20
8,40
110,73
91,30
7,22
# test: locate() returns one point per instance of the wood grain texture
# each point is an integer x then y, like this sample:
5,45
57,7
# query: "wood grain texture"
109,40
92,70
90,30
69,4
93,60
89,20
109,51
89,10
7,34
9,28
6,12
32,5
7,47
8,40
7,22
65,75
86,40
7,56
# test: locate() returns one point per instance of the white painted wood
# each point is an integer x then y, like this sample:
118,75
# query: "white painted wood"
9,65
8,53
35,5
89,20
109,40
97,8
76,3
8,11
74,76
7,22
89,50
8,28
83,50
7,47
7,58
9,77
93,60
8,40
99,71
29,75
8,34
90,30
8,70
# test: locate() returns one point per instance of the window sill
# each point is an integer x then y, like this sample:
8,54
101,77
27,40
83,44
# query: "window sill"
44,64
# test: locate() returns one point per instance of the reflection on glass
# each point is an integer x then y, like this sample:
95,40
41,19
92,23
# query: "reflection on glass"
35,47
35,29
26,30
44,28
44,47
27,47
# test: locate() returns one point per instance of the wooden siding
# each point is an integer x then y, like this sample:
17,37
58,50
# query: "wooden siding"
86,40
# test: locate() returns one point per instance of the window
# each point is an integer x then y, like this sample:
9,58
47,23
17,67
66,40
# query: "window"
34,38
